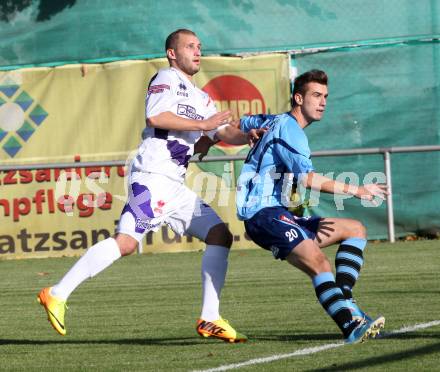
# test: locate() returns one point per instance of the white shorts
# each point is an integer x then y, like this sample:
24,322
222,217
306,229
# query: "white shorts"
154,200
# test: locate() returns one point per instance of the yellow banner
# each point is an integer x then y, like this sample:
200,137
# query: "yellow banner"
96,112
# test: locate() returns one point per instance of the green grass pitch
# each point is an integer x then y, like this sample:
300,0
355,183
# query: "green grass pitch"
140,314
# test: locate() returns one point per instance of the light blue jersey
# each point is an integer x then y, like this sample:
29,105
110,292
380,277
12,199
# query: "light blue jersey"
273,165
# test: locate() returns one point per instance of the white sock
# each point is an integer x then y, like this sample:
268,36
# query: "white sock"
97,258
214,266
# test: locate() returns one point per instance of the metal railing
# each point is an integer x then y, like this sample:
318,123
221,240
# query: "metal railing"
385,151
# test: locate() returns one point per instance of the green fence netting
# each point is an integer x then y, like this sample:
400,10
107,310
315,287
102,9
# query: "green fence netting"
36,32
382,97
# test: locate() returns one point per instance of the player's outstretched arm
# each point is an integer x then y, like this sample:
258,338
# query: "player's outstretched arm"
316,181
229,134
168,120
234,136
370,192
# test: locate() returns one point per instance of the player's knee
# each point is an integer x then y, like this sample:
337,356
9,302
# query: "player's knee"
127,245
358,230
219,235
309,258
318,263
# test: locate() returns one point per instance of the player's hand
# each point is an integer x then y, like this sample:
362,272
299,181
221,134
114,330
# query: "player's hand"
220,118
254,135
373,192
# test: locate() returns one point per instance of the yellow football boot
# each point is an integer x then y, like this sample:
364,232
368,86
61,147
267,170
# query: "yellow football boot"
220,329
55,309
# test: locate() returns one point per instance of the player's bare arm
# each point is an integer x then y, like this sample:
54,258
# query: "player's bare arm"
317,181
229,134
168,120
234,136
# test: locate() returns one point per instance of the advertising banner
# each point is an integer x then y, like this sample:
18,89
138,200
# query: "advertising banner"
81,113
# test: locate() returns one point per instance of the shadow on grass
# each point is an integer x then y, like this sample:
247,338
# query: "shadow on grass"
334,337
187,341
181,341
410,336
383,359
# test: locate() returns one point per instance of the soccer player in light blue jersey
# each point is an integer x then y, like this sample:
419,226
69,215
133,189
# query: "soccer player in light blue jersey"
281,158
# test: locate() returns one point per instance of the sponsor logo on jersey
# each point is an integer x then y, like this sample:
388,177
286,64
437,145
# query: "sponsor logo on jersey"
145,225
159,88
189,112
182,90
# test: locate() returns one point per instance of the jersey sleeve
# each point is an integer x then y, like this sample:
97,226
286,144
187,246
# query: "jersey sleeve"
249,122
293,149
160,97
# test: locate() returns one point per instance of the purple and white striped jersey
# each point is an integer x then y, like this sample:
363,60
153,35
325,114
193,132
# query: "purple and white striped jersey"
163,151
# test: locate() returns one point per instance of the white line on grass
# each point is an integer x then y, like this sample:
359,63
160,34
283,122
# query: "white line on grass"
313,350
413,328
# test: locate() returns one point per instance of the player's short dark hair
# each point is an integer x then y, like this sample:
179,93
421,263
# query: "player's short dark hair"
301,81
171,41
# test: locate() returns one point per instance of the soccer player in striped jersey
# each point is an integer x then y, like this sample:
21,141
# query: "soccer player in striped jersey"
281,158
